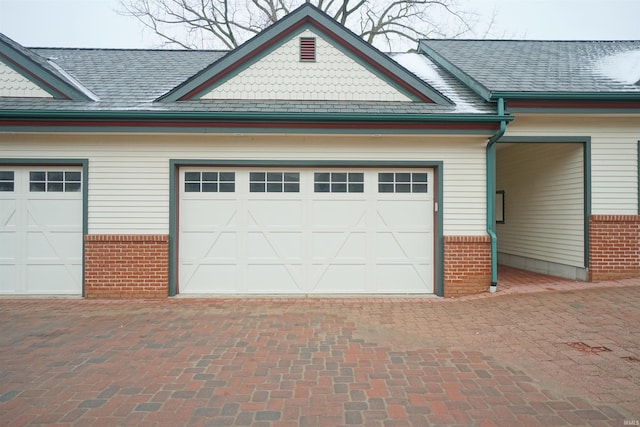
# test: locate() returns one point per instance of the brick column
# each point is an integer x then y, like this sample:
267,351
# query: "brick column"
614,247
467,265
126,266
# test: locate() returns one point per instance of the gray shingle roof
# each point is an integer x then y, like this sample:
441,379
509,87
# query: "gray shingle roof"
128,75
544,66
132,79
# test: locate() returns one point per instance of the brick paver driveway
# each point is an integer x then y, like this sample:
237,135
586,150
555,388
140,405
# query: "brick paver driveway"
552,358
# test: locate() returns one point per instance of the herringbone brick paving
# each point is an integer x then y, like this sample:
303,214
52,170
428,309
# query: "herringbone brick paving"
562,354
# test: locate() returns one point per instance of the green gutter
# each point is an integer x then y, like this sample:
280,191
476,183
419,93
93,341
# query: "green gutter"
491,196
126,115
577,96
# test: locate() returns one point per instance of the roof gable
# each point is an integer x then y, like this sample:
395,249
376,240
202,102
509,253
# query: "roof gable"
26,74
391,80
280,75
15,85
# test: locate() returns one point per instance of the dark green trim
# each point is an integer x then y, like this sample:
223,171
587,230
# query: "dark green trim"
491,195
174,191
175,164
638,174
246,122
85,188
576,96
586,155
545,139
574,110
164,115
465,78
438,199
246,131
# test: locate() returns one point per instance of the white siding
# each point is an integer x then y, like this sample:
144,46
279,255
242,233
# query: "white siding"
129,174
333,76
544,204
614,158
14,84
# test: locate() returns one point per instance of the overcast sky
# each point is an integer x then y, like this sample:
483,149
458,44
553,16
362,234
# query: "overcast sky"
95,23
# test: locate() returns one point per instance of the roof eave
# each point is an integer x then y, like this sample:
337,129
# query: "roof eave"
125,115
577,96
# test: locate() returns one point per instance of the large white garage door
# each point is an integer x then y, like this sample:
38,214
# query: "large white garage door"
302,231
40,230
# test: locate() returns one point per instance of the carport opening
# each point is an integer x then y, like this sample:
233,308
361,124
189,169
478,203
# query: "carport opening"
540,201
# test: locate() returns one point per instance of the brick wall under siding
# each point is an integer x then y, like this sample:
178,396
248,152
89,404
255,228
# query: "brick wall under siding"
126,266
467,265
614,247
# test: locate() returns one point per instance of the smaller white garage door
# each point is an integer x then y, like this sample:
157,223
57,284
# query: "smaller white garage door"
293,231
41,230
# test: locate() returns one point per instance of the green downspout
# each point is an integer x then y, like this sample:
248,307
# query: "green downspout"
491,195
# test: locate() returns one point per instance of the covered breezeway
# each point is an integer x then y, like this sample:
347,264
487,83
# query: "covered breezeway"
542,204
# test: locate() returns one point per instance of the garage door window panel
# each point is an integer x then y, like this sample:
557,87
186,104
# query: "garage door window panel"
55,181
7,181
402,182
338,182
274,182
209,182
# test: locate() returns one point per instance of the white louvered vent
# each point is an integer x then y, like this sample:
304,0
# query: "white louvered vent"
307,49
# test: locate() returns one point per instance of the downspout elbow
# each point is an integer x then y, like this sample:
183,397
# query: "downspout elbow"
491,191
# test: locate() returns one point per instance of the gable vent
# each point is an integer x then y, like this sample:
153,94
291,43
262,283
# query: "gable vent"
307,49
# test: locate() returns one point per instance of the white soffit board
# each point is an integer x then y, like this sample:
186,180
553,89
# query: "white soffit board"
310,239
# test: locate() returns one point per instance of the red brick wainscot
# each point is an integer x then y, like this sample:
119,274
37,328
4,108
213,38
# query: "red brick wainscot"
126,266
614,247
467,265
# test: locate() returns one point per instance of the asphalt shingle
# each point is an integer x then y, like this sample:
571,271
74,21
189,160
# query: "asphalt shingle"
539,66
130,74
133,79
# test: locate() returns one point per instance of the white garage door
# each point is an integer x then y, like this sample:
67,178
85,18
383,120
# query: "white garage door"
40,230
303,231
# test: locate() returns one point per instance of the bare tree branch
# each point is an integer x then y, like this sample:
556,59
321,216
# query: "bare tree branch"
228,23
